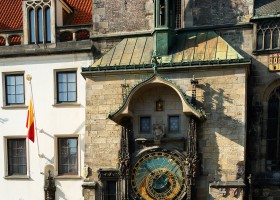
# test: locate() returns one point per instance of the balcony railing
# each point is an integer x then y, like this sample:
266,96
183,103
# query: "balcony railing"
63,34
74,33
11,38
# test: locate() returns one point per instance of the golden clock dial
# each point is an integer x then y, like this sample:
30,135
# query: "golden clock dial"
158,175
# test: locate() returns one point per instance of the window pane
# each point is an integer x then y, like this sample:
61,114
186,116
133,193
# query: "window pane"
275,39
67,155
62,97
48,24
40,25
19,99
62,87
14,89
178,11
67,87
72,96
259,39
19,80
16,157
62,77
32,26
19,89
145,124
267,39
111,190
11,90
71,87
72,77
10,80
11,99
173,123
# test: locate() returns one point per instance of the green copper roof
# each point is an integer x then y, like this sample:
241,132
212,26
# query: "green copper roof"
188,47
266,9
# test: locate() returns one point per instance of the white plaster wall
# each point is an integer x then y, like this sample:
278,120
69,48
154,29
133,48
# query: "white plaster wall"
50,121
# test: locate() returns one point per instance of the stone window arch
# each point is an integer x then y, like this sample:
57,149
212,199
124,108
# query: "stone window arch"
37,22
271,127
273,131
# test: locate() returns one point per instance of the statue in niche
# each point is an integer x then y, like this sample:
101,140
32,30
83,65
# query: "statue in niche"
158,131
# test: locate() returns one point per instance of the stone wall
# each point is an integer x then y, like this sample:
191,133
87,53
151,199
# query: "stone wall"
122,15
213,12
221,92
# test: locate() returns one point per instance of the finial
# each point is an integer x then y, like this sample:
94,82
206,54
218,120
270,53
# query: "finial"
28,77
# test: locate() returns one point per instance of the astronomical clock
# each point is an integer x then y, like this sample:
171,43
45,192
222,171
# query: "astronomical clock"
159,174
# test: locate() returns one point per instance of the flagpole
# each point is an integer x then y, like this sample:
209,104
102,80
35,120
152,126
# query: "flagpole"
29,78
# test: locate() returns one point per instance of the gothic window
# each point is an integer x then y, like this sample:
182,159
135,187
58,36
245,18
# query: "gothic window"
39,21
267,35
273,132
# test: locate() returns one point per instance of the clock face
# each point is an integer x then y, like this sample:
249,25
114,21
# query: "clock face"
158,175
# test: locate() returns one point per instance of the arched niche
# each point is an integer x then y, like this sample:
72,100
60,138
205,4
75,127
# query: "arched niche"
153,83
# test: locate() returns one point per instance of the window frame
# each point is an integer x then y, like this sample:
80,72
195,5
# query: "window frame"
179,123
261,29
109,175
107,195
141,131
56,150
56,86
5,90
7,175
39,25
31,35
268,162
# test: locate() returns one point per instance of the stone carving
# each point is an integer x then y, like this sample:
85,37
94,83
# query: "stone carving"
50,188
158,131
192,159
124,157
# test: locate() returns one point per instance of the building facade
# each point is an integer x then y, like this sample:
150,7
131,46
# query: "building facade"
167,101
176,99
43,45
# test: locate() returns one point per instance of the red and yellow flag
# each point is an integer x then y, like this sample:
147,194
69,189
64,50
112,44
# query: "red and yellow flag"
30,122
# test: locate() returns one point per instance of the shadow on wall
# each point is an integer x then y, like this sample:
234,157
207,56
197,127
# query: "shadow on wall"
213,12
3,120
223,139
259,82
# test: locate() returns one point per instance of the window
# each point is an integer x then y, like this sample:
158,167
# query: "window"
66,86
267,35
14,88
16,153
173,123
145,124
178,15
109,179
111,190
39,21
273,132
168,13
67,156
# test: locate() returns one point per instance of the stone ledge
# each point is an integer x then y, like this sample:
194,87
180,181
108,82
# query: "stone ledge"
89,185
227,184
